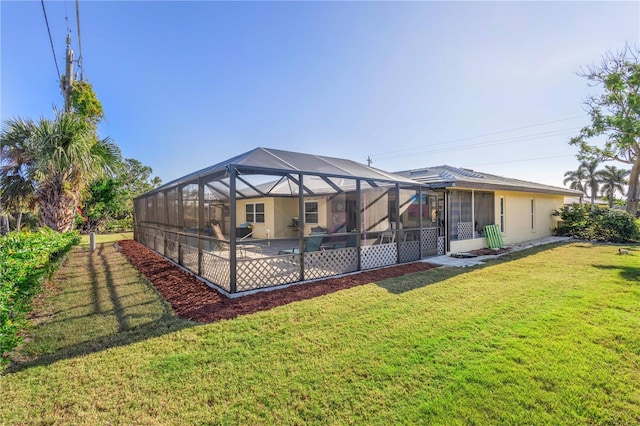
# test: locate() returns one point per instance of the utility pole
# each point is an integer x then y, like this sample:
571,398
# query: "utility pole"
68,76
369,161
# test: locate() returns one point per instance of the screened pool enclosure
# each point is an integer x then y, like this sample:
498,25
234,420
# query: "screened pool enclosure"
269,217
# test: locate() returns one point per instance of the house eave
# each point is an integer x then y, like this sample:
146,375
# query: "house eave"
514,188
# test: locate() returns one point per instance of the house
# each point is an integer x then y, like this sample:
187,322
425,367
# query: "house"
473,199
268,218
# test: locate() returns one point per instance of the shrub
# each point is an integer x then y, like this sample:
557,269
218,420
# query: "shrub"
616,226
27,259
575,220
117,225
602,224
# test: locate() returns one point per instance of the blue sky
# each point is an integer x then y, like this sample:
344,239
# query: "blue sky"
185,85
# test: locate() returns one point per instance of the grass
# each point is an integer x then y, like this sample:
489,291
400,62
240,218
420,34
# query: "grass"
106,238
548,335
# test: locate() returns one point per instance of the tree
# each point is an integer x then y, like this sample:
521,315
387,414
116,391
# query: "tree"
58,158
85,102
615,115
575,179
613,179
136,178
17,194
110,199
583,179
592,180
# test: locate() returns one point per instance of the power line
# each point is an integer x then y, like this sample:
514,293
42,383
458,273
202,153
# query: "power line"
482,136
66,16
50,39
79,41
522,138
519,161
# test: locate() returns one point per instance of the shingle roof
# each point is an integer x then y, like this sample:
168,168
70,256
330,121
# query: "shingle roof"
453,177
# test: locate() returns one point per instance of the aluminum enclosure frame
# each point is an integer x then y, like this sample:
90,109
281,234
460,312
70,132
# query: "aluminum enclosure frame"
175,219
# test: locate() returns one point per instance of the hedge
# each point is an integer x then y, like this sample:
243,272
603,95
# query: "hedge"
26,260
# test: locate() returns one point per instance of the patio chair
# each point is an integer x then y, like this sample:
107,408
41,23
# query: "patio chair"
386,237
223,244
312,244
219,235
352,241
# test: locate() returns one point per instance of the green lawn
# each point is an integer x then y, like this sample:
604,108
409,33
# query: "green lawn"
107,238
544,336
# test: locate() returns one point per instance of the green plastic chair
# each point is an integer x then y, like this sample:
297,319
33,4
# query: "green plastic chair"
313,243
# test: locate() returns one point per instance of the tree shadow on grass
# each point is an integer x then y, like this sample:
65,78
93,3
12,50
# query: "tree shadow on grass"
101,281
629,273
137,334
418,280
409,282
125,303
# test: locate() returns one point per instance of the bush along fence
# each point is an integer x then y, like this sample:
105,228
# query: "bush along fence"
27,259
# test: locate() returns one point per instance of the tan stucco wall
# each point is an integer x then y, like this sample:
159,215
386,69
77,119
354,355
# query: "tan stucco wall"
285,210
518,215
467,245
259,229
322,214
278,213
518,219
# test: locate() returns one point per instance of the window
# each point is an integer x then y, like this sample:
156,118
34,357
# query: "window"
254,212
311,212
533,215
502,219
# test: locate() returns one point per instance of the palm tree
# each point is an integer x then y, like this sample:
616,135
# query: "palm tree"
592,180
17,196
613,179
575,179
58,158
584,179
17,193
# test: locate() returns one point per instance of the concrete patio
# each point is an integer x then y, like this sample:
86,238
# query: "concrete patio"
447,260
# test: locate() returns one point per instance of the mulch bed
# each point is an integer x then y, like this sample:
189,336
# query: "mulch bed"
192,299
